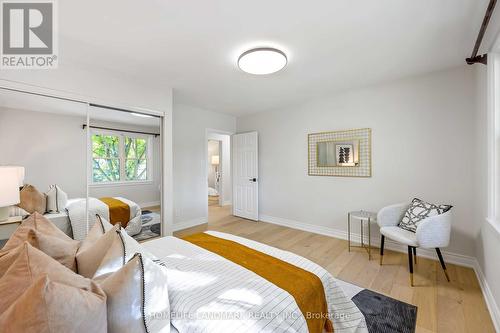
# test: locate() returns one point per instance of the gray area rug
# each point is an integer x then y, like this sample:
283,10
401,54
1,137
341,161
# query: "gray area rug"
384,314
150,226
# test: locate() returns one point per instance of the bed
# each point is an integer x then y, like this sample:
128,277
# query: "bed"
205,282
209,293
72,219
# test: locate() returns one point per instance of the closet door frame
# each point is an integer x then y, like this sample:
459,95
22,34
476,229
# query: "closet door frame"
166,151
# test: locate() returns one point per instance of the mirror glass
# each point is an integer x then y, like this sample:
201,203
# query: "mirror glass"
43,136
338,153
125,170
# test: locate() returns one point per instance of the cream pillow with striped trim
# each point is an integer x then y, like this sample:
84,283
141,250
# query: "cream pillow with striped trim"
57,199
135,286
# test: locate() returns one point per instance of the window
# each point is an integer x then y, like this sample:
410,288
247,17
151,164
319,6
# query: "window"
120,157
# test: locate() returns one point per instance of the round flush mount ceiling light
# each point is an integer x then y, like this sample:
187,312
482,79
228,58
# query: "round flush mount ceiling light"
261,61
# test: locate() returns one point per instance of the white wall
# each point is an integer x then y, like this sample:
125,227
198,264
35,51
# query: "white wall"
190,162
423,146
51,147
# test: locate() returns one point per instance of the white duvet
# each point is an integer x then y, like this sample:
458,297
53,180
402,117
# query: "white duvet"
76,212
209,293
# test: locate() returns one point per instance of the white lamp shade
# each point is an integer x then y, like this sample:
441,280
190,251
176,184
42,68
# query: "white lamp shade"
9,187
19,171
215,160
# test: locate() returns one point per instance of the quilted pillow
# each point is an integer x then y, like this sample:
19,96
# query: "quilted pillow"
418,211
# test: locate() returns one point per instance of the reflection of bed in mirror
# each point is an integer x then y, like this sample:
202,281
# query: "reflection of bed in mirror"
72,219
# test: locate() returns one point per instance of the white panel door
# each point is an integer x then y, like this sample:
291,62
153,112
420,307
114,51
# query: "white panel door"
246,176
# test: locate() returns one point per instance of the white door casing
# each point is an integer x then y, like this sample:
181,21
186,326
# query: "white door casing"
246,175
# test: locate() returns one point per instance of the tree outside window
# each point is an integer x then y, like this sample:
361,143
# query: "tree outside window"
119,158
136,164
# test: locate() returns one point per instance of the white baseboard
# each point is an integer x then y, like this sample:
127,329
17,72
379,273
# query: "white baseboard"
491,303
149,204
450,257
189,224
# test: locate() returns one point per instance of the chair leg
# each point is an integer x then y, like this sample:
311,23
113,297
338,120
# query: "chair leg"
441,260
415,255
410,263
382,240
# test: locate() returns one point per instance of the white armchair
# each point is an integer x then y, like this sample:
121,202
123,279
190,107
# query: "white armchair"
432,232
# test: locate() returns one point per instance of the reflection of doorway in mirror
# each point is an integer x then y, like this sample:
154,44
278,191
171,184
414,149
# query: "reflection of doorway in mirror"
214,174
218,168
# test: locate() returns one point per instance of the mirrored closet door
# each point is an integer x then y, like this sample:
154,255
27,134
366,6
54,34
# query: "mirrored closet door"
71,160
42,139
124,150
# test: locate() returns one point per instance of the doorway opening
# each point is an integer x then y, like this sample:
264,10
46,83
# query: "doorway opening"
219,185
214,176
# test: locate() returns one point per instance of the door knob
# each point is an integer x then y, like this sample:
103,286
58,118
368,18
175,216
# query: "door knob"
253,180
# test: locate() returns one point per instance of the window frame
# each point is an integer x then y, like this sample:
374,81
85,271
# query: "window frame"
122,158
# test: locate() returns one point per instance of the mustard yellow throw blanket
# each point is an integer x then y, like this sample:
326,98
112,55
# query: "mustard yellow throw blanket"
304,286
119,212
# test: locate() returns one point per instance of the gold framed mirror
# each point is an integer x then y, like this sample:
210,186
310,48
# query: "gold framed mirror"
340,153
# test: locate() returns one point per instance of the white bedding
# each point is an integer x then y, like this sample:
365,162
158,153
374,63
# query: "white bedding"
209,293
75,216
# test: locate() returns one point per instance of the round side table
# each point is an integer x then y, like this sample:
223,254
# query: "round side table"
362,216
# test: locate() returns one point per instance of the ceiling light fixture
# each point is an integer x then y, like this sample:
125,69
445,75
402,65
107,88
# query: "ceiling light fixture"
142,115
261,61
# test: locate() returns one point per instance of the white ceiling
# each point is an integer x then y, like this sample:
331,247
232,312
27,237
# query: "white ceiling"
331,44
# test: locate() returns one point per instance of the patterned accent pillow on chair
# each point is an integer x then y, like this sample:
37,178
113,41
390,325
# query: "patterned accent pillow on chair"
418,211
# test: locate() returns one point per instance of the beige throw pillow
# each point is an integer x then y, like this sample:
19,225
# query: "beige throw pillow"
32,200
44,235
7,258
31,264
52,307
122,249
93,249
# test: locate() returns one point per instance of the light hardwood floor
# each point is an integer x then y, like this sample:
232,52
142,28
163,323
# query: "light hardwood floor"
455,307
